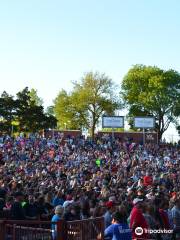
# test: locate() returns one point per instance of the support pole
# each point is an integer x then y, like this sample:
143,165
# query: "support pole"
112,133
144,140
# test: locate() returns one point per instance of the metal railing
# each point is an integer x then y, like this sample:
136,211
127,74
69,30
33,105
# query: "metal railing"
89,229
27,230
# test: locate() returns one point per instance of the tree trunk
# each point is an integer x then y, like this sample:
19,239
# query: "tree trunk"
160,127
93,125
159,136
92,132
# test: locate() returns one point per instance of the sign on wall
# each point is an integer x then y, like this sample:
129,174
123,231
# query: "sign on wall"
144,122
113,122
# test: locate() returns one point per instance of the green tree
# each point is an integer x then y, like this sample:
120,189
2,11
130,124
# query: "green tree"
50,110
23,109
50,119
35,98
91,97
66,112
7,112
149,90
30,114
49,122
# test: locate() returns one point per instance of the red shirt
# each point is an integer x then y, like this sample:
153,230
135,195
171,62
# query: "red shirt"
137,220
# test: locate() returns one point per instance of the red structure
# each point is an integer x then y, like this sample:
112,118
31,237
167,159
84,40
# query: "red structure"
63,133
137,137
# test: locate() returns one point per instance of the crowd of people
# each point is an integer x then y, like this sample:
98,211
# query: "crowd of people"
135,188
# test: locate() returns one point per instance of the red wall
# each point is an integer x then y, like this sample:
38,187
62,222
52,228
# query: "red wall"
72,133
136,137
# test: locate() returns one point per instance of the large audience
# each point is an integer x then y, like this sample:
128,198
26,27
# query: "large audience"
73,178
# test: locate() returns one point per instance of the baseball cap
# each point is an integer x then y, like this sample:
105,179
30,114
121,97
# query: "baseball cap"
109,204
67,203
137,200
112,199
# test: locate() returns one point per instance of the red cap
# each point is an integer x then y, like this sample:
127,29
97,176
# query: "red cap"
109,204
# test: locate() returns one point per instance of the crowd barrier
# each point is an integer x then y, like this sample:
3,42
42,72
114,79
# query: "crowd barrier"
89,229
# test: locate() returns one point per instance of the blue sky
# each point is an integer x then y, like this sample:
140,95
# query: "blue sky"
45,44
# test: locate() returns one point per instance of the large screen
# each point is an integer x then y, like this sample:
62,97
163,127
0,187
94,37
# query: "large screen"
113,122
144,122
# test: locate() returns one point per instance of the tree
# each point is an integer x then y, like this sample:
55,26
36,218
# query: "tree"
30,115
91,97
23,109
149,90
7,112
25,113
66,112
35,98
50,119
50,110
49,122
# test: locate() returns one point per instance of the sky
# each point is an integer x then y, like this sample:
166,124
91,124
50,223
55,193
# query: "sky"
47,44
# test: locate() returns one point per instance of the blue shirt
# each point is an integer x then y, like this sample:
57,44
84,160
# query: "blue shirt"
107,219
175,213
55,218
119,231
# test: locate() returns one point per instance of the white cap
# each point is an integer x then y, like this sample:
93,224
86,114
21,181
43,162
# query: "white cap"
66,203
136,200
112,198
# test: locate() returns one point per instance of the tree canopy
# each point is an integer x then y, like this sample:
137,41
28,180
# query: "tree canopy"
91,97
7,112
149,90
145,91
25,110
35,98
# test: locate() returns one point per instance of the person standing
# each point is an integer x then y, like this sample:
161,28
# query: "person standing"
108,213
176,217
56,218
17,212
137,220
119,229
